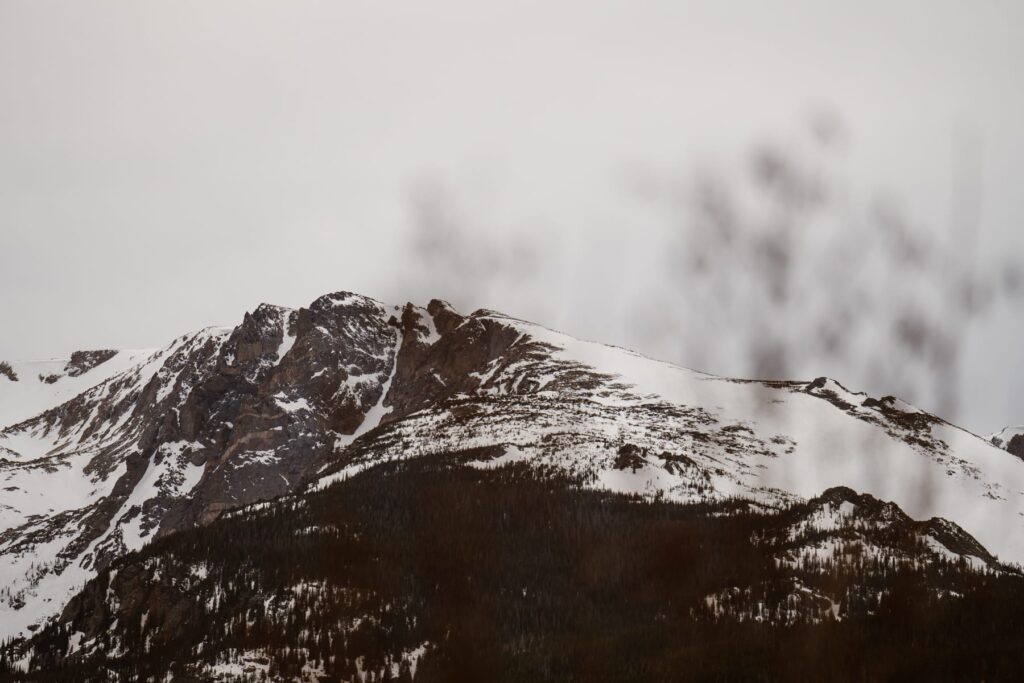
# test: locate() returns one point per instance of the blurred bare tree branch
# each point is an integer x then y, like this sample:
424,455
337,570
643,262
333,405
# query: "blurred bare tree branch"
777,271
457,258
802,279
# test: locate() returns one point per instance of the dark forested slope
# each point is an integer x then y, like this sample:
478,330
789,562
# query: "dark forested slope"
433,570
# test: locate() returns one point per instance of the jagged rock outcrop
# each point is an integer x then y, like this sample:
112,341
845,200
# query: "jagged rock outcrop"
80,363
1011,440
7,371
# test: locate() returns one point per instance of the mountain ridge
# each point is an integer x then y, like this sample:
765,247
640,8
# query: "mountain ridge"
292,400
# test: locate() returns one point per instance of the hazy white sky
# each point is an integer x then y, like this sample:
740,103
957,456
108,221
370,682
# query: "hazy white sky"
169,165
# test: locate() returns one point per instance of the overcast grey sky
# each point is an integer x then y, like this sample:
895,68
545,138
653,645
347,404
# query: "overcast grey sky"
164,166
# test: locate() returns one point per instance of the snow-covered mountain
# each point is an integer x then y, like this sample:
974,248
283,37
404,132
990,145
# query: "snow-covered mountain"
122,448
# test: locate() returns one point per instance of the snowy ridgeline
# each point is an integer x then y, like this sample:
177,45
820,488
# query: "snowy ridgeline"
297,400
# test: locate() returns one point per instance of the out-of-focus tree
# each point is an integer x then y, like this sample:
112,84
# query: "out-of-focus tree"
778,270
785,267
459,257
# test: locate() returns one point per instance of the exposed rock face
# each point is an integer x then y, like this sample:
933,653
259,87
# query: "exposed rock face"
1011,440
7,371
296,399
219,418
80,363
84,361
1016,445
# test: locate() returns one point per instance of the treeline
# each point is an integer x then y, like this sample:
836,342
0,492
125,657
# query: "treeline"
427,571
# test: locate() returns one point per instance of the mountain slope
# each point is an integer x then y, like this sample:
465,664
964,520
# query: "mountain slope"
429,570
559,401
28,388
294,400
